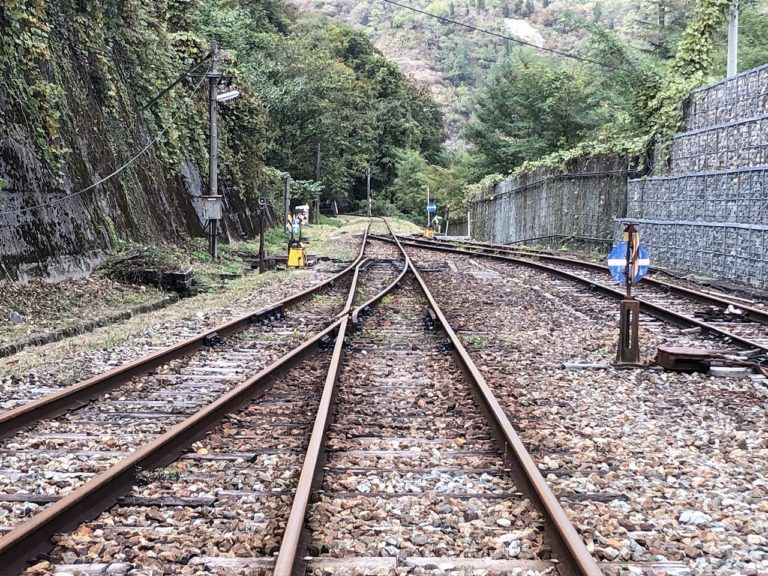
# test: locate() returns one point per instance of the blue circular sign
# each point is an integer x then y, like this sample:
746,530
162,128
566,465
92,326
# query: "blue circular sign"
617,263
431,206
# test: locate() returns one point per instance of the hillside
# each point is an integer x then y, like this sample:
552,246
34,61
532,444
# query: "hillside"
91,159
454,60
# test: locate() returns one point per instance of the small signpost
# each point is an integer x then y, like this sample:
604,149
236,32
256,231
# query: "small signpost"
628,263
431,209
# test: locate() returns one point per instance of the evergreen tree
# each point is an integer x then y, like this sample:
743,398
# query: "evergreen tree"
597,12
532,106
529,8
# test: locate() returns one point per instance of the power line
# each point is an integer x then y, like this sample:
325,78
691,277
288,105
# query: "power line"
181,77
504,37
140,153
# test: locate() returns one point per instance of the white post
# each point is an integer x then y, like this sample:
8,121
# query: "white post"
733,39
368,189
469,224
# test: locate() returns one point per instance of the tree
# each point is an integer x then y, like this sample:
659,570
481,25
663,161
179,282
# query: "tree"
530,107
530,8
409,190
597,12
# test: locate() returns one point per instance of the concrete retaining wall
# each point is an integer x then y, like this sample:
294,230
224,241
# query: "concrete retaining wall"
582,202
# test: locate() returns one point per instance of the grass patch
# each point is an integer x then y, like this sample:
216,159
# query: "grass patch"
477,341
328,221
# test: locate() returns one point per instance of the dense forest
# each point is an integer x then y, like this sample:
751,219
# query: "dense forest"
510,106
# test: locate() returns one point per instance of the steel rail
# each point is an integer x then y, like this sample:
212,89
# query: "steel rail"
75,396
105,489
753,313
290,559
567,545
365,306
646,306
572,554
102,491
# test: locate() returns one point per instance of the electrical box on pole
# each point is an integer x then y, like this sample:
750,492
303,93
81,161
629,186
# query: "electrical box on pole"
212,198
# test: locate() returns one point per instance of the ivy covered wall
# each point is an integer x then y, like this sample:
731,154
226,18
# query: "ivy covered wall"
75,77
77,102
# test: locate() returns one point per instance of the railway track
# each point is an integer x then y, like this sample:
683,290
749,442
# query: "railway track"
78,447
728,318
421,471
639,459
278,473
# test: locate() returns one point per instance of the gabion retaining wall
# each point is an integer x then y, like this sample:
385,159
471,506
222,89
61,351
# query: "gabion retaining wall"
711,224
739,98
582,202
709,213
738,145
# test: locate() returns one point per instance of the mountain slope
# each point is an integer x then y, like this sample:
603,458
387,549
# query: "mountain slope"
454,60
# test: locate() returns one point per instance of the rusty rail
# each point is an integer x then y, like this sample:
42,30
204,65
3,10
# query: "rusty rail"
646,306
102,491
74,396
290,559
568,546
105,489
362,308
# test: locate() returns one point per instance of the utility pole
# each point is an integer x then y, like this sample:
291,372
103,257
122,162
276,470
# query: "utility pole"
368,188
469,224
428,206
262,210
213,215
287,201
317,179
733,39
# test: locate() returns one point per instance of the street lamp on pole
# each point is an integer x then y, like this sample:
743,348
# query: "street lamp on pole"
212,200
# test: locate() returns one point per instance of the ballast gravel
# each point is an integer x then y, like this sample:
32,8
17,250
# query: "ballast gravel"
651,466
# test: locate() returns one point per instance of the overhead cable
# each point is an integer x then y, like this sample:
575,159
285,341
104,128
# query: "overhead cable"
181,77
505,37
152,142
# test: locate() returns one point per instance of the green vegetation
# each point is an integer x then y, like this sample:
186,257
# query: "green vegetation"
476,341
321,104
537,110
517,108
318,101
